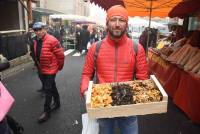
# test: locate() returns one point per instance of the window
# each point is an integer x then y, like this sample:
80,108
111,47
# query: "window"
194,24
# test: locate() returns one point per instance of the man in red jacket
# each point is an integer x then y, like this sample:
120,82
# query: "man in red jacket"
49,56
116,62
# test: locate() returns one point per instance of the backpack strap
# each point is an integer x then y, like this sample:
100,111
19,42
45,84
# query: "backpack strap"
135,48
98,45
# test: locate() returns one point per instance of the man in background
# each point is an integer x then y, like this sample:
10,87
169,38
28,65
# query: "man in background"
84,38
49,57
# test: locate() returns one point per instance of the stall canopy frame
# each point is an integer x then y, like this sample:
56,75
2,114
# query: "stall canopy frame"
185,9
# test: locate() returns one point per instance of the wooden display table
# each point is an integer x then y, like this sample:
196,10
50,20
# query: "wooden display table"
183,87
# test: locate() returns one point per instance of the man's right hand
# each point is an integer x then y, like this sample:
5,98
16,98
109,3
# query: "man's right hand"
85,95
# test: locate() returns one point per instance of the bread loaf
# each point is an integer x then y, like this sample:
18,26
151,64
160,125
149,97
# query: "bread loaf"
176,55
196,68
188,56
192,62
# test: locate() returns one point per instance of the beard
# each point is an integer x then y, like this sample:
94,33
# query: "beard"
116,33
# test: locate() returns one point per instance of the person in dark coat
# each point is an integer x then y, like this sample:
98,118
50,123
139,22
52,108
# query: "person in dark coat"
62,34
143,39
94,36
56,32
4,128
15,126
84,38
50,30
78,40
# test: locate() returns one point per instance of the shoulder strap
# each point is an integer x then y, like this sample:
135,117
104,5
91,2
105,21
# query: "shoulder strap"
98,45
94,76
135,47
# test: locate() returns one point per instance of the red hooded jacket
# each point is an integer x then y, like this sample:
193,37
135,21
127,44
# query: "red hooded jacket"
115,62
52,55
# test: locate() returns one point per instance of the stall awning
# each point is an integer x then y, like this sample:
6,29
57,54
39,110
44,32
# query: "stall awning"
44,11
106,4
184,9
159,8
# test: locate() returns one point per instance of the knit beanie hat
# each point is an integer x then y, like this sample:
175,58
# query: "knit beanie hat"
117,10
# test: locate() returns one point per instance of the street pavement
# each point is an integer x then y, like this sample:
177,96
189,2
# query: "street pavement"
67,120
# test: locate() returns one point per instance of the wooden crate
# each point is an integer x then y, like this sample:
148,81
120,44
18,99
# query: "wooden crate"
128,110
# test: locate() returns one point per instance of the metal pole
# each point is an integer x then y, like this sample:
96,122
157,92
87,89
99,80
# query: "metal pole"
23,5
28,9
148,36
30,14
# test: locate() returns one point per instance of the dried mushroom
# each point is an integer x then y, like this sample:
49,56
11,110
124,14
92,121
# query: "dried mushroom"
122,94
140,91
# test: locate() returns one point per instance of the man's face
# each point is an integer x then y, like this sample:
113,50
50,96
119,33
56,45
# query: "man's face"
116,26
40,32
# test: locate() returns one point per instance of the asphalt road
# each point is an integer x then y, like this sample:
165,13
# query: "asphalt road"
67,120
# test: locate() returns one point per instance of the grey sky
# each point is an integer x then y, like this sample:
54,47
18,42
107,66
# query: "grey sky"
97,14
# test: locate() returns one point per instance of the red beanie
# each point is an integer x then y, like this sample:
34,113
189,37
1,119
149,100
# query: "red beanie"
117,10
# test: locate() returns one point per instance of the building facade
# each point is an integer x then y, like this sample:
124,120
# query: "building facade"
78,7
13,26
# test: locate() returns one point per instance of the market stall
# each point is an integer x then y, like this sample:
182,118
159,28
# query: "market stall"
182,86
177,66
179,74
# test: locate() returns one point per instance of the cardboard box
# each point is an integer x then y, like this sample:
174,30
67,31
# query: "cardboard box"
128,110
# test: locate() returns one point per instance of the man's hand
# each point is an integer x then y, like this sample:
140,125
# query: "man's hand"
85,95
60,67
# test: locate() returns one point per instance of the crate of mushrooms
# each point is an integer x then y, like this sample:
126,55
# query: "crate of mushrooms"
121,99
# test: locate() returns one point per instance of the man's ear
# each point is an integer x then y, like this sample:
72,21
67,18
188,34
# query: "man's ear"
106,23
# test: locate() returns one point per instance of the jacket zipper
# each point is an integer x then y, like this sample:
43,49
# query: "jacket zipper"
116,57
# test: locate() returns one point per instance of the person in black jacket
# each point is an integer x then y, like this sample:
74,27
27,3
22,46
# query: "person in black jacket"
143,39
84,38
15,126
62,35
4,128
78,32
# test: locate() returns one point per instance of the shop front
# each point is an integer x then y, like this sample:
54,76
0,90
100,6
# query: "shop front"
13,27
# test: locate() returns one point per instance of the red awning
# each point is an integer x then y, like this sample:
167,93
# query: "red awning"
159,8
105,4
184,9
